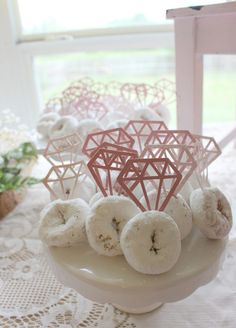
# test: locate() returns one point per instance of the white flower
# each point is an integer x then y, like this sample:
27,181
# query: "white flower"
12,131
11,139
26,270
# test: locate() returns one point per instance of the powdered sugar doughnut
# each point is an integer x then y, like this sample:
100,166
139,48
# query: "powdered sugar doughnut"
46,122
88,126
146,114
113,116
62,223
163,112
186,191
95,198
117,124
68,188
107,219
63,126
211,212
177,209
151,242
194,181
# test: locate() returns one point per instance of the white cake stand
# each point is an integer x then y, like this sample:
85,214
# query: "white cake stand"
111,279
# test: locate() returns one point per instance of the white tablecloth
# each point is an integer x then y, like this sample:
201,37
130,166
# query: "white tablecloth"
30,295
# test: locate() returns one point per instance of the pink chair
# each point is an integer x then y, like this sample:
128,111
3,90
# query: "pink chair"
199,30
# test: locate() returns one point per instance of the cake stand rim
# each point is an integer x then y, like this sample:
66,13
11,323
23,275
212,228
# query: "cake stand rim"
113,294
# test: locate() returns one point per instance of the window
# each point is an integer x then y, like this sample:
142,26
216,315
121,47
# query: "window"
55,42
53,16
219,97
50,16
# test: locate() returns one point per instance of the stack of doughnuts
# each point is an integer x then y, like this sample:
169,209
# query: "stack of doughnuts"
151,204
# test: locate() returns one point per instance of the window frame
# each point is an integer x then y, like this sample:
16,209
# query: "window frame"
25,47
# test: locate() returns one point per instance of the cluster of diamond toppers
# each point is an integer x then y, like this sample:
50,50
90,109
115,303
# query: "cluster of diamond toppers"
86,98
133,178
127,160
87,104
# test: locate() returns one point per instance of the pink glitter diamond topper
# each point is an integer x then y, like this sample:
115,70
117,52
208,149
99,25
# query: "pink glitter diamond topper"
74,92
85,82
140,130
207,150
111,146
64,181
86,108
204,149
142,94
106,164
64,150
172,137
54,105
99,87
139,176
117,136
179,155
169,89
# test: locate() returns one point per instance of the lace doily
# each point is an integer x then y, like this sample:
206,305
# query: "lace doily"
32,297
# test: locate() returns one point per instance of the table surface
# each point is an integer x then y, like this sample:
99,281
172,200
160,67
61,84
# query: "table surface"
30,295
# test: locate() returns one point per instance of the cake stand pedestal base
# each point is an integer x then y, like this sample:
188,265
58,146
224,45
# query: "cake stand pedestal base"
140,310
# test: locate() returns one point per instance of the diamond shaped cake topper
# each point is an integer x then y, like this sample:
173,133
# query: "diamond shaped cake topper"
140,130
169,89
142,94
204,149
54,105
110,96
74,92
114,88
84,82
62,180
172,137
117,103
116,136
68,96
139,173
207,151
111,146
88,108
64,150
99,87
114,99
179,155
106,164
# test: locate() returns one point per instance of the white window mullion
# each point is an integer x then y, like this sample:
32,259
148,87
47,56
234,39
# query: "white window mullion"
100,43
